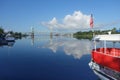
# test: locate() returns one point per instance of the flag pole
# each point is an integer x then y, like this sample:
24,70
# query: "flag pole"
92,24
93,32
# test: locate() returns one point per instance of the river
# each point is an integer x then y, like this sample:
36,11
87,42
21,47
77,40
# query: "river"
46,58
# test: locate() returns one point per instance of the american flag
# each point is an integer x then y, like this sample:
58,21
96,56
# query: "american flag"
91,21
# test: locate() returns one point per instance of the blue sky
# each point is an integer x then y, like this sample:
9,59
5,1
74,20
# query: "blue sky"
21,15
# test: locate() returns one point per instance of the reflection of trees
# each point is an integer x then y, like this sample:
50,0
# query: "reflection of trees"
76,48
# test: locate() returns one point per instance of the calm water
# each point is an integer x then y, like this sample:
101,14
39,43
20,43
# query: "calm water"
45,58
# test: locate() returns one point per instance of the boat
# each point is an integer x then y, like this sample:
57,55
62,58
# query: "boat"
107,57
6,39
9,38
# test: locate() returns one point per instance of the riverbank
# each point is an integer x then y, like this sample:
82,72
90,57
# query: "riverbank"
16,35
89,34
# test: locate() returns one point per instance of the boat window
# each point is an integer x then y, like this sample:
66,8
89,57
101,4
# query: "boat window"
109,44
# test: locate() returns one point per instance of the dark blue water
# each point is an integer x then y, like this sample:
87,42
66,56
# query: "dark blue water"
44,58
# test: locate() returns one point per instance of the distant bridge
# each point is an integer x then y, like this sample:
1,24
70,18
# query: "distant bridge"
48,33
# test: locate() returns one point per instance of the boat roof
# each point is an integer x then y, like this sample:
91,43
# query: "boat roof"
108,37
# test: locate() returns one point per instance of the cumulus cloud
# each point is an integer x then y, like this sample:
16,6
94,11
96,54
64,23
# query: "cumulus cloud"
77,20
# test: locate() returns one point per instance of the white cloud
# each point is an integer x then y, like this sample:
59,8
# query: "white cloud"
77,20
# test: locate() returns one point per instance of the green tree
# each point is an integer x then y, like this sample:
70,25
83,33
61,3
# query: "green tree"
1,30
114,30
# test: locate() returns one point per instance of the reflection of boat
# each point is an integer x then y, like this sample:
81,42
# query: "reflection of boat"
5,43
104,73
108,57
10,43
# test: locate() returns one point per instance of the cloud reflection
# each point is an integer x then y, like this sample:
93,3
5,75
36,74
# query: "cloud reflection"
76,48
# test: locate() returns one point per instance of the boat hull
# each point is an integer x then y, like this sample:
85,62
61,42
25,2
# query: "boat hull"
104,73
106,60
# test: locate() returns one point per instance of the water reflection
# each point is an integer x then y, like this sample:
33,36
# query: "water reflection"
32,40
74,47
6,43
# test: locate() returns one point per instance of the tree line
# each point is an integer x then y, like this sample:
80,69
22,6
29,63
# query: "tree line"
89,34
13,34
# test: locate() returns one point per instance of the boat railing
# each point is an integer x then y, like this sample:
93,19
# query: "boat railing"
108,51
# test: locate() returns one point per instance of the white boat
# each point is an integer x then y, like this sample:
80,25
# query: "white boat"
9,38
